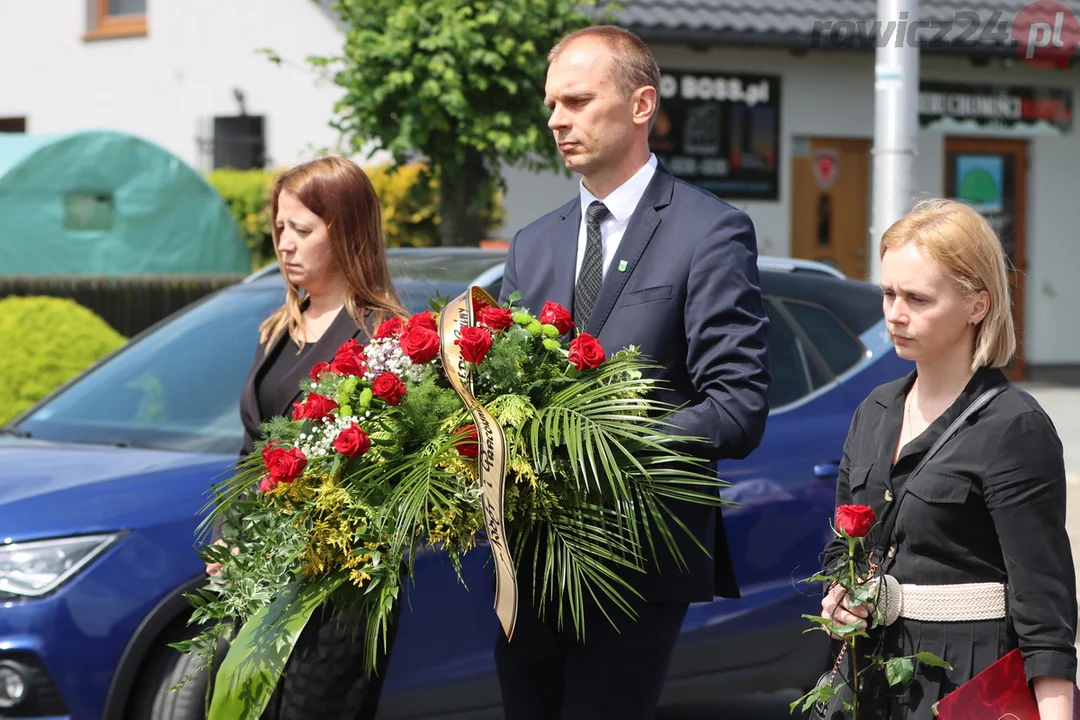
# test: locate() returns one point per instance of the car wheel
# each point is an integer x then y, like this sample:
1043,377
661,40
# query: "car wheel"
151,698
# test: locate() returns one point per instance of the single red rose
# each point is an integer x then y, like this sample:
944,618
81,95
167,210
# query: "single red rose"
352,441
390,328
420,344
298,411
388,388
350,359
469,445
496,318
422,320
474,343
266,484
555,314
320,367
318,407
855,520
285,465
586,353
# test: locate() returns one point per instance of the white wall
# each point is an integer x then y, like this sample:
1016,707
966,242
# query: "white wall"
831,94
184,70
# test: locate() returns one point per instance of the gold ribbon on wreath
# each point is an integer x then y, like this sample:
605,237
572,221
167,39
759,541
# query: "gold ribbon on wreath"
457,315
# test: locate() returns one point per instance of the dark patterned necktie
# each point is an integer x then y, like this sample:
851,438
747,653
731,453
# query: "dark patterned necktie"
591,276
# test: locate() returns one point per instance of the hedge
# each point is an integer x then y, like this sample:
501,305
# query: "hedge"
45,341
130,304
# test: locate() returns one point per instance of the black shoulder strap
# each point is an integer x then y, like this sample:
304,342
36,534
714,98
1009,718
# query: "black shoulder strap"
977,404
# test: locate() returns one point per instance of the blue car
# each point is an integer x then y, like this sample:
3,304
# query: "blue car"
102,485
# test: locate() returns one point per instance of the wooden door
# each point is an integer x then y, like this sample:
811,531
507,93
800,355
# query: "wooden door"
830,202
991,175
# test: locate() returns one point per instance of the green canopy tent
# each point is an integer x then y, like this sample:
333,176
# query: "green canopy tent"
107,203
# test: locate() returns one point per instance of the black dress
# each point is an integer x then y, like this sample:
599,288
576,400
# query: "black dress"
989,507
324,677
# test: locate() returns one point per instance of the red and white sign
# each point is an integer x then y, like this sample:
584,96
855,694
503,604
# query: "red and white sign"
825,166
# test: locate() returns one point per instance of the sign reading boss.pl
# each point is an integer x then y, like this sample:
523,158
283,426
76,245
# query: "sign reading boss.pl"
720,131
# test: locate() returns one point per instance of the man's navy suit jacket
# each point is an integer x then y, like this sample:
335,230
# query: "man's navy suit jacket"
690,299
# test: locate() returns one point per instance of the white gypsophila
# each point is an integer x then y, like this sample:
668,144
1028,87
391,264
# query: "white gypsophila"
320,442
385,355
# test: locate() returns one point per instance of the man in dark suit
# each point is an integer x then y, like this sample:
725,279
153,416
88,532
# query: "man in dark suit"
642,259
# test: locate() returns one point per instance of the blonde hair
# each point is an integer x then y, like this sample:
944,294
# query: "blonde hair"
342,195
960,238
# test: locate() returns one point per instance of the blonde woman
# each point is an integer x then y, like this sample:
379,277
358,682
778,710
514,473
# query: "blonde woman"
984,521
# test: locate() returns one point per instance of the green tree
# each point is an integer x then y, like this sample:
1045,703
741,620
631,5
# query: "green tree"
458,82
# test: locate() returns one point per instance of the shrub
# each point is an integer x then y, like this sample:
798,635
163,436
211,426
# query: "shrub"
246,193
45,341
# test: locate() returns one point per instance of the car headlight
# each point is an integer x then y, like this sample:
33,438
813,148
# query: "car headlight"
37,568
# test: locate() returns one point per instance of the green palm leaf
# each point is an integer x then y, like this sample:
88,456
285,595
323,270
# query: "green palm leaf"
250,671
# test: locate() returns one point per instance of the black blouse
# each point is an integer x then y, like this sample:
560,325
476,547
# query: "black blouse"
989,507
273,389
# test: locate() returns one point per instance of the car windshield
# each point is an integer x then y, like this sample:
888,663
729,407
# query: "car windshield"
177,388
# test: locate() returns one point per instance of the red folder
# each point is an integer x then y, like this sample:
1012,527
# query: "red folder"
999,691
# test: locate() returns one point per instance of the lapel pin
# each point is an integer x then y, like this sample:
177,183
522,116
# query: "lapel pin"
622,266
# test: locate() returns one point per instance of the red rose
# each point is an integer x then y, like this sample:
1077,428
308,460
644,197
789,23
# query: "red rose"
388,388
496,318
474,343
352,441
266,485
478,304
420,344
284,465
390,328
469,445
855,520
318,407
297,411
320,367
555,314
586,353
350,359
422,320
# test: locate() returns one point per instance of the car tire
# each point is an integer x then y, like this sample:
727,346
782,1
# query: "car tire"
151,698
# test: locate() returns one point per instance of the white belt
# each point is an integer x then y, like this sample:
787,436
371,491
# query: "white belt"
964,602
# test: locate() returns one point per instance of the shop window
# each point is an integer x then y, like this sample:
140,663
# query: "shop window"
116,18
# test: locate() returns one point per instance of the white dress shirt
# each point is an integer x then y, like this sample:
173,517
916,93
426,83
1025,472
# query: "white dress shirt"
621,204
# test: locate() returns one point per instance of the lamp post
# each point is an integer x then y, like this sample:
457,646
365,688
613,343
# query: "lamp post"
896,121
